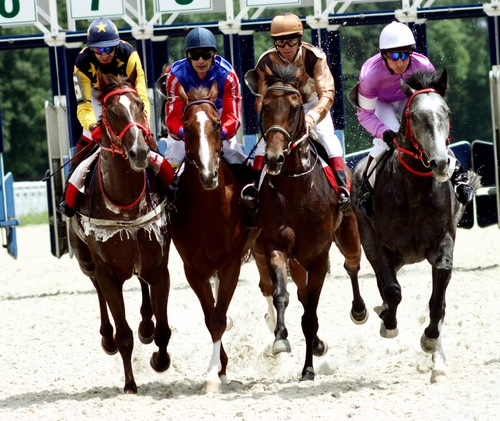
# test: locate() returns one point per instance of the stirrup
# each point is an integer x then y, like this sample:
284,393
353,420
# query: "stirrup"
344,202
464,192
249,199
365,200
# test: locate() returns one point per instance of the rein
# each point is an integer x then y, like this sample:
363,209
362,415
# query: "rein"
420,154
116,139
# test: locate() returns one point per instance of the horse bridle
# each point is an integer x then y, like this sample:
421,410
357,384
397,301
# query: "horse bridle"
199,101
420,154
277,128
116,139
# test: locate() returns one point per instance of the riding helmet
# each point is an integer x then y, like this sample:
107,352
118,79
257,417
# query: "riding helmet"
200,38
286,24
396,36
102,33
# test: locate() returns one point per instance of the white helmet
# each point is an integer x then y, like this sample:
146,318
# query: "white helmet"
396,35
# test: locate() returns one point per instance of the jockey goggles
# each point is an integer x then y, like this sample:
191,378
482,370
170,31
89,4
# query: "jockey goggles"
396,55
102,50
291,42
204,54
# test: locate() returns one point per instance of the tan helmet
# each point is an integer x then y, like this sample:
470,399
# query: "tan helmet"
286,24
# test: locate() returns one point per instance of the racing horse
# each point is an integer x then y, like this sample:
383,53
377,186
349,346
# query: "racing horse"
208,227
299,216
121,228
415,209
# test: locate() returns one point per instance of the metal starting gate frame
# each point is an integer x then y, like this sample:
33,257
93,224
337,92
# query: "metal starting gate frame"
151,32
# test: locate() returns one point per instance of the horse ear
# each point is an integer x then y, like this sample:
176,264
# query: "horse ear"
407,89
183,96
214,91
443,82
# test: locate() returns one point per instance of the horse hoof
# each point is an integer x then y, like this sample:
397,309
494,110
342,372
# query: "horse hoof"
307,374
388,333
229,323
428,345
320,349
213,386
145,341
438,376
359,318
130,388
157,366
110,350
281,345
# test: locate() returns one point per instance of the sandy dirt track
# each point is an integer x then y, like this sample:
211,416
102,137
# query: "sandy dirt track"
53,368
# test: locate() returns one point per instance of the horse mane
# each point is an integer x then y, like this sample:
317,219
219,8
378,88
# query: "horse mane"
112,83
199,93
284,73
422,79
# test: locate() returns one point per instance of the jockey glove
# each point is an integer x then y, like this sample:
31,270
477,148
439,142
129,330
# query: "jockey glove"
223,134
180,135
96,131
389,137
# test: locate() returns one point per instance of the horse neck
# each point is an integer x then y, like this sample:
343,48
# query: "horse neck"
121,184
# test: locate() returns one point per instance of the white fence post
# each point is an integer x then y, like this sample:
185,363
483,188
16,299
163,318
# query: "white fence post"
30,197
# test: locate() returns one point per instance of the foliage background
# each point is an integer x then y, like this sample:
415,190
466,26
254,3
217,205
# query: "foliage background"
459,45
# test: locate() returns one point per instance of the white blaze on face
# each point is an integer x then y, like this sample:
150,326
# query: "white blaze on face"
204,151
125,101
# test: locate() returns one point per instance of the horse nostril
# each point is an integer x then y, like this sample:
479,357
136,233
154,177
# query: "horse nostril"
281,159
132,154
433,163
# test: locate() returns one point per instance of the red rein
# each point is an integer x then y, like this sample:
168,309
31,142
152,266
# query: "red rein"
419,155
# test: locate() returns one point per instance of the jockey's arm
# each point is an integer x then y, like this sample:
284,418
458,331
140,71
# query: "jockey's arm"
84,111
325,89
134,62
173,107
367,101
231,105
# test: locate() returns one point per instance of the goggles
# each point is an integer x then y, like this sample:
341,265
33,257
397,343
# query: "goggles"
102,50
204,54
395,56
281,43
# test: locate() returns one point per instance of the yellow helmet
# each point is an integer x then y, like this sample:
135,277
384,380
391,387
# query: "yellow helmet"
286,24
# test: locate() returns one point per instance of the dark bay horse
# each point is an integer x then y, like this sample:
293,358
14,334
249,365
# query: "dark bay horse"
121,229
415,209
299,217
209,229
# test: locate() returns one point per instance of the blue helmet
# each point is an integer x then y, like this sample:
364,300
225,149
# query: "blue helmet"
102,33
200,38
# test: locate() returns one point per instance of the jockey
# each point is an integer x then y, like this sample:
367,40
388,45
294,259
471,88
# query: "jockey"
381,103
104,51
201,67
318,85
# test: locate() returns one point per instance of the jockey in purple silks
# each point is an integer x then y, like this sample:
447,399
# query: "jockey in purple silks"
381,103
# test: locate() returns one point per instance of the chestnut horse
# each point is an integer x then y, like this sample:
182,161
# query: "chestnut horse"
121,228
208,229
416,212
299,217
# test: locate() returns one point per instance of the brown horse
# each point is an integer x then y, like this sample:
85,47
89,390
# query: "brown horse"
121,228
208,229
299,217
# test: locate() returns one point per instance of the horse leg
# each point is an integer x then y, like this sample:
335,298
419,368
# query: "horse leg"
277,266
146,326
390,292
106,330
299,276
124,339
160,287
310,316
265,282
349,244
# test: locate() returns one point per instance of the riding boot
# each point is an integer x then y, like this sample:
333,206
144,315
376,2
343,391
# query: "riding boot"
365,196
460,182
69,201
344,199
